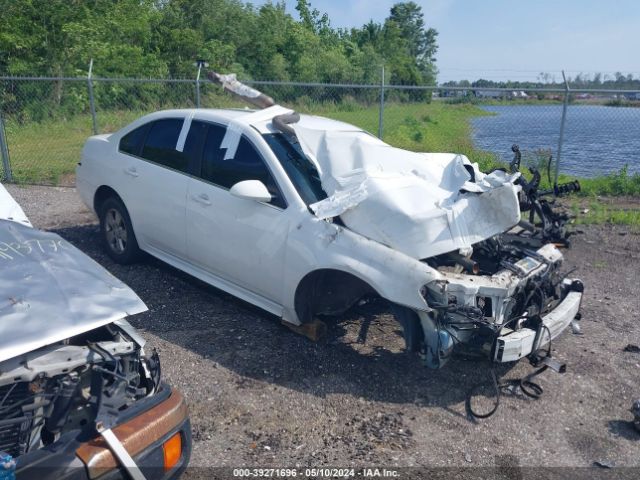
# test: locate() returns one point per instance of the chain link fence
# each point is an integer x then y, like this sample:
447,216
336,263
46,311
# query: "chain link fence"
45,121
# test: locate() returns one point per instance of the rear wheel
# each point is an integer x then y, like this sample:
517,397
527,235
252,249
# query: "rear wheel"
116,232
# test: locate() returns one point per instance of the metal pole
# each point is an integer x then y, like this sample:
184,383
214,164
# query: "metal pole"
381,113
562,122
4,151
92,103
198,85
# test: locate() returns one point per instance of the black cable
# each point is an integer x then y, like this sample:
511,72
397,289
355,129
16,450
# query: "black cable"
525,384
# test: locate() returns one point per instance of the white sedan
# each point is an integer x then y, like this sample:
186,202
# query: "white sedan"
303,216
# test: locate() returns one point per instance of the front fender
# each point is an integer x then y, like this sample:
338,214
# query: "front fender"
316,244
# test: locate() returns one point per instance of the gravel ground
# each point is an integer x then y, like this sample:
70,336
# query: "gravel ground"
263,396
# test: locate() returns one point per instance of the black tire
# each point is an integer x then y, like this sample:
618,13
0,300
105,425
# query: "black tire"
116,232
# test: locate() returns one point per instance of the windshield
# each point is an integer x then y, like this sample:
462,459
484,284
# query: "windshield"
299,168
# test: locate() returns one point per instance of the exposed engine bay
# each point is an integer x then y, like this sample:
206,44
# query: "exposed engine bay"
495,300
71,385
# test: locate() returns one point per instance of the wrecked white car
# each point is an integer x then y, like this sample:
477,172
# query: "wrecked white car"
79,395
304,216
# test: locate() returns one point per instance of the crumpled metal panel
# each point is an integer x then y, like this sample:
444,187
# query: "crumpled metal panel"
50,291
422,204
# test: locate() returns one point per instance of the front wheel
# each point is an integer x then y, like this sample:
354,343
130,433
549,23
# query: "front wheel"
116,232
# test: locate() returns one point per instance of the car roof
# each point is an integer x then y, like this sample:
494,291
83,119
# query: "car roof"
263,126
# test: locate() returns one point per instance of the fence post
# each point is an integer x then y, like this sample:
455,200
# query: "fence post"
4,151
199,63
198,89
381,113
92,103
565,103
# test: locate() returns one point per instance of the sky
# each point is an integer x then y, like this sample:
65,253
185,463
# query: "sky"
514,40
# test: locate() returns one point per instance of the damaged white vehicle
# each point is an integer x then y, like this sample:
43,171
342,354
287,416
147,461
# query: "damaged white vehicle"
304,216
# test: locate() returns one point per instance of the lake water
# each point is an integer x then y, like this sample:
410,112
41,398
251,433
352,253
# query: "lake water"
597,139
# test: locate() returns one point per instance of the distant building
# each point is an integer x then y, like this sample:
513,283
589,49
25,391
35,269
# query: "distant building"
500,94
488,94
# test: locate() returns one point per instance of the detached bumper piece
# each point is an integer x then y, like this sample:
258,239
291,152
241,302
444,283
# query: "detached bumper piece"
514,345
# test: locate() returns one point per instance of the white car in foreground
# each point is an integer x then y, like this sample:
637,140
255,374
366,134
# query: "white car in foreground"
303,216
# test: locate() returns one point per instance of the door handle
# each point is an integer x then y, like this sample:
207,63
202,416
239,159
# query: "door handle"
131,171
203,199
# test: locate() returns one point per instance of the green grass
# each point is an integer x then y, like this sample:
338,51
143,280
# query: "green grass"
48,152
600,212
433,127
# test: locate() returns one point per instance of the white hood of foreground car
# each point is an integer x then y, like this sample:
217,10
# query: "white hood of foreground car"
422,204
50,291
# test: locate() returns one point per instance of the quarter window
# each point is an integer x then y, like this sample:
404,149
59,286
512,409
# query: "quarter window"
160,145
131,143
247,164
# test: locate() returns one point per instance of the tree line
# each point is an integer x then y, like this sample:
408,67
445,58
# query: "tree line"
618,81
163,38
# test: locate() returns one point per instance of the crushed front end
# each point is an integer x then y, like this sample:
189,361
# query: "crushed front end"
55,401
79,395
500,301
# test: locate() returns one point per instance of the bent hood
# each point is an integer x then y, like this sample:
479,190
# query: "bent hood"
422,204
50,291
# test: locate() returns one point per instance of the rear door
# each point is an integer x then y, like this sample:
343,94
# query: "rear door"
239,240
154,185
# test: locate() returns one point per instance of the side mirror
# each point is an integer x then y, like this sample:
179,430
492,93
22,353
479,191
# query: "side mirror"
251,190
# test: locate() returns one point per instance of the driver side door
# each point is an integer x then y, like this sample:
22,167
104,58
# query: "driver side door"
239,240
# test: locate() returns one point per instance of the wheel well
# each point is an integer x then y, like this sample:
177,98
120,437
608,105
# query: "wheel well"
328,292
101,195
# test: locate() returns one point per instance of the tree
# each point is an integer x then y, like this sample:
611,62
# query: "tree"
421,42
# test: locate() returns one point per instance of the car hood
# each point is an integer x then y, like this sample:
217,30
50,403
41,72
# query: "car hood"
422,204
51,291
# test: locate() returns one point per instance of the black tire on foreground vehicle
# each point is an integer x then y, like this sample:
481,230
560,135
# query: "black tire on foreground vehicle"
116,232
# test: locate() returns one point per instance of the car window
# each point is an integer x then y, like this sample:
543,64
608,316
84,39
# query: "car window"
194,143
247,164
132,142
301,171
160,145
